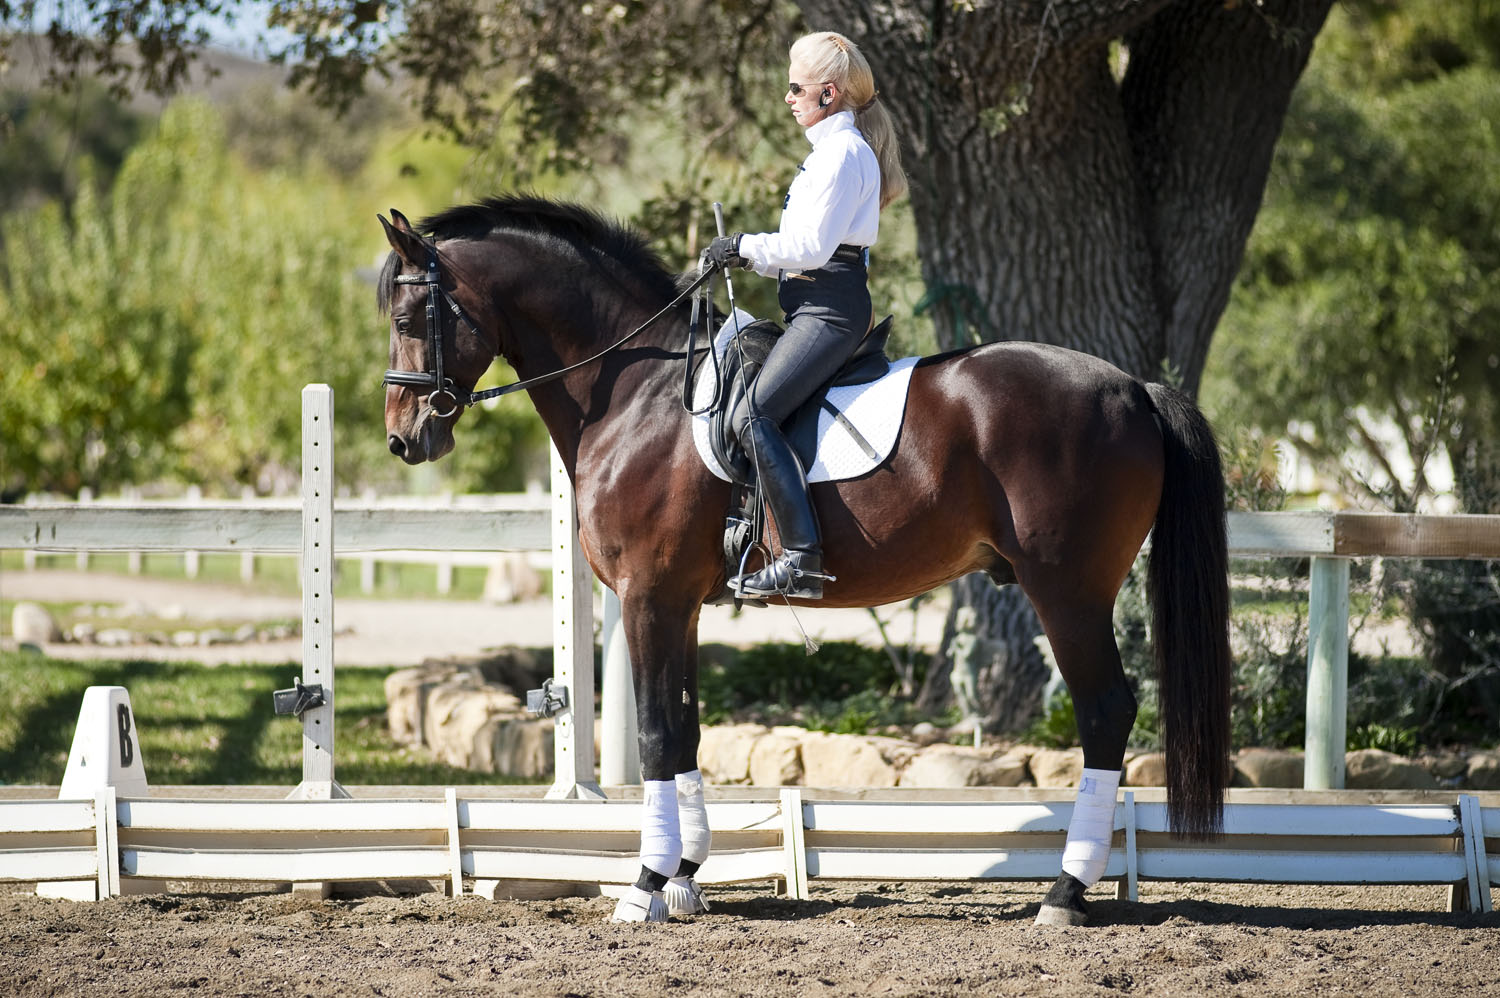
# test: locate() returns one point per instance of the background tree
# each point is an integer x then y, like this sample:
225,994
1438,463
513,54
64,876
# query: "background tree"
1084,172
1368,315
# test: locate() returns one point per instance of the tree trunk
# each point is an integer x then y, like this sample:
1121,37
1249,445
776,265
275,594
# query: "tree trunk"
1068,193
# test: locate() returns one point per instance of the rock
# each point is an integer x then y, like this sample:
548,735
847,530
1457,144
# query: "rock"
244,634
522,747
1057,767
406,701
82,633
776,761
1376,769
1483,771
1262,767
184,639
724,752
511,579
115,637
214,636
1149,769
463,728
830,760
33,624
960,766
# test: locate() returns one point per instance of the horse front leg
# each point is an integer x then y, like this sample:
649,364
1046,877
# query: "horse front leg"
1105,707
674,823
683,895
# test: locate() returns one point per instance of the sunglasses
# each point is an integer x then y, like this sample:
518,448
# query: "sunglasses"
795,89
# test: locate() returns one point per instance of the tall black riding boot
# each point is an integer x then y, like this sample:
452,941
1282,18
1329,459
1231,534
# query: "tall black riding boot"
797,572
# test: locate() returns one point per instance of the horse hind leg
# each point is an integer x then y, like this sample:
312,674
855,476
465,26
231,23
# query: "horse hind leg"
1087,656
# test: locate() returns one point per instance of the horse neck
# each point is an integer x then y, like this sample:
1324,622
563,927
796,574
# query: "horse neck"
561,319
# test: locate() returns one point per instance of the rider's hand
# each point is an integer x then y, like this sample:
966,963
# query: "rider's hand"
724,251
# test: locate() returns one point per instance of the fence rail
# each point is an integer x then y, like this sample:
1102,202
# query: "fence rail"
797,837
523,523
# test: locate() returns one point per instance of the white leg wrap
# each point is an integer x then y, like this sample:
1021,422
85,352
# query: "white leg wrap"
1089,833
661,835
692,815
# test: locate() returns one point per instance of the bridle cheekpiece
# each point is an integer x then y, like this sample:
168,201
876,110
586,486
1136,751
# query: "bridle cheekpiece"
443,389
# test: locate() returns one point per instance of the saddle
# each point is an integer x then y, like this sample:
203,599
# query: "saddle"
741,365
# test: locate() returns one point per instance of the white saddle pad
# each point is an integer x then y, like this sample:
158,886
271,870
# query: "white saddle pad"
876,410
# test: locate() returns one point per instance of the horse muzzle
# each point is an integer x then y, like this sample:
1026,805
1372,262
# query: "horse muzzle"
429,440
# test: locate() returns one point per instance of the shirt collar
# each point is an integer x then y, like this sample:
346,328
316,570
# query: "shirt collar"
833,123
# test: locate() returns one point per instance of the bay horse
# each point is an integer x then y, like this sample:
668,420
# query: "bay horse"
1044,467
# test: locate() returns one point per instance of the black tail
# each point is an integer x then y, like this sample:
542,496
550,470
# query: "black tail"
1189,583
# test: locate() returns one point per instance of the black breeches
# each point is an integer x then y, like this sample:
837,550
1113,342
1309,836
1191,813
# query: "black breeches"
827,317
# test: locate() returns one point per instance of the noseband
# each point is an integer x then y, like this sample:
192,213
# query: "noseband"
443,391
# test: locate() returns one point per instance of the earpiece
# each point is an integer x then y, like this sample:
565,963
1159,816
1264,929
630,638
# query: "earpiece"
826,99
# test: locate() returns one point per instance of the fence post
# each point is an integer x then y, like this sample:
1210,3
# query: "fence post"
247,558
81,559
572,646
1327,674
619,748
317,593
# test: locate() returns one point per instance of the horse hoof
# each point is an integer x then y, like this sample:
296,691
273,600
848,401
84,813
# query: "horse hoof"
640,906
1051,915
685,897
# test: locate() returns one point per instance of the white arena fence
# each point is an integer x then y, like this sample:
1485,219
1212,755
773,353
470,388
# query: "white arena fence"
112,845
806,836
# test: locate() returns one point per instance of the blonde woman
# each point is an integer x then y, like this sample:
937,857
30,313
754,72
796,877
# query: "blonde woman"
830,219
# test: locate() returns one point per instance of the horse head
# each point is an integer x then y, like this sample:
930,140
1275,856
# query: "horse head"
437,352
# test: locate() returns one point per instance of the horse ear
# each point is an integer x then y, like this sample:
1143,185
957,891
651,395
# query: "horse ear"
407,244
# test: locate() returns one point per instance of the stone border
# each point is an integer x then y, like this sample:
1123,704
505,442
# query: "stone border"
466,719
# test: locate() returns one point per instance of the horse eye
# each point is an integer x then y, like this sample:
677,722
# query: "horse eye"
403,326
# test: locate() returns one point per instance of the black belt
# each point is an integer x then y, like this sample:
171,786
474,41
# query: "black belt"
847,253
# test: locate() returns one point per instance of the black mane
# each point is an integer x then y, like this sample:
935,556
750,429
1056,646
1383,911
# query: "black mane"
582,228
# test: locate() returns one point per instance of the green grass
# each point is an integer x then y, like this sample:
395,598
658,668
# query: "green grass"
275,575
205,725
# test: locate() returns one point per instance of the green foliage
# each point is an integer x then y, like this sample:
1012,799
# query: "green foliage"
45,138
1057,725
845,687
204,726
163,330
1365,300
1401,741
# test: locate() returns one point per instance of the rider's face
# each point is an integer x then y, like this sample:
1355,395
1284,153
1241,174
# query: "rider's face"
804,105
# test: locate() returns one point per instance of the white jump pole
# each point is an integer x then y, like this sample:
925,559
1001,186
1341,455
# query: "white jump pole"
317,594
619,749
1327,674
572,646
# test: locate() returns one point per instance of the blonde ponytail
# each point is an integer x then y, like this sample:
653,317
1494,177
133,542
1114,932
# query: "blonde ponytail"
830,56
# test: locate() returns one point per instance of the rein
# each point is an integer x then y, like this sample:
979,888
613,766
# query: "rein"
444,390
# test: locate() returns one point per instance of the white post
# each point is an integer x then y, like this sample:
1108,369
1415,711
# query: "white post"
247,558
317,593
572,646
619,748
190,560
81,559
1327,673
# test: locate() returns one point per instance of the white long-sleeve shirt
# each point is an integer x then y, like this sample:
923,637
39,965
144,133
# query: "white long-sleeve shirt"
835,198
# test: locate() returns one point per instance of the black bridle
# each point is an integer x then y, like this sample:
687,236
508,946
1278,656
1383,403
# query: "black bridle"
443,389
